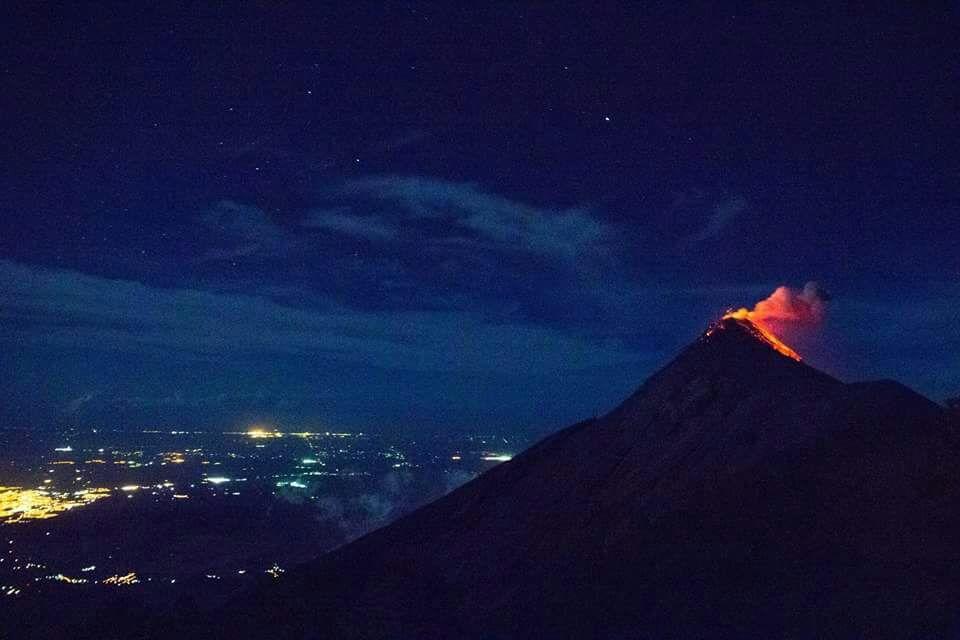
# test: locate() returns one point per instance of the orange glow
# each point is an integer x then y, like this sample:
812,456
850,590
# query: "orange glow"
743,317
784,307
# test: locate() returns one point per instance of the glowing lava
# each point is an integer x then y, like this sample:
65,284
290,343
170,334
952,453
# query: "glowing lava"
742,316
796,307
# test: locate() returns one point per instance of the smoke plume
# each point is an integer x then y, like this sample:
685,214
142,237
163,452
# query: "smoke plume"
789,306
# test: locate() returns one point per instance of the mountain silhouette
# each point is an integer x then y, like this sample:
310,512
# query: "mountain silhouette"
738,493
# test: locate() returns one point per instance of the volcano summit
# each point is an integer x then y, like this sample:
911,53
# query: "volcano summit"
738,493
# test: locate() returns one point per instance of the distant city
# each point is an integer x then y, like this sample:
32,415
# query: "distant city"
99,510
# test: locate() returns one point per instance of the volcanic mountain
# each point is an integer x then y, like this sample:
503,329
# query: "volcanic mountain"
737,493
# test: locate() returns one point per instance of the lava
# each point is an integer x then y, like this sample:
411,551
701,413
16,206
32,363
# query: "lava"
742,316
784,306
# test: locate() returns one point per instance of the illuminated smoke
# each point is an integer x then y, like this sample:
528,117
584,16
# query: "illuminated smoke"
780,311
789,306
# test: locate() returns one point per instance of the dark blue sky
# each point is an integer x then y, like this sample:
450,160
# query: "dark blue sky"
423,216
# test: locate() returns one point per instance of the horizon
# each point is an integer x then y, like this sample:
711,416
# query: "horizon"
301,428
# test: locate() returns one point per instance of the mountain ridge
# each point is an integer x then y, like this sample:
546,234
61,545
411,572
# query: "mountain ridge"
652,519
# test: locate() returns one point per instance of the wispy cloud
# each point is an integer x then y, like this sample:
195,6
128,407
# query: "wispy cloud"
233,230
340,220
488,218
720,218
67,309
78,403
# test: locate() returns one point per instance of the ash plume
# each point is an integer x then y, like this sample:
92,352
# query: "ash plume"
805,306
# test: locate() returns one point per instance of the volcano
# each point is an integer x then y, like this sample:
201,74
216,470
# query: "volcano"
738,493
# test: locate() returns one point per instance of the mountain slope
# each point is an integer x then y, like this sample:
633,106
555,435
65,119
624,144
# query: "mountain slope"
737,493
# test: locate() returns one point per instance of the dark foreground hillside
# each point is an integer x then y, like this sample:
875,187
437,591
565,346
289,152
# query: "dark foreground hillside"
738,493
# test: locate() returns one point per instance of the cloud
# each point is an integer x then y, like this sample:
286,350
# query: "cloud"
722,216
456,478
240,231
437,241
342,221
78,403
490,219
67,309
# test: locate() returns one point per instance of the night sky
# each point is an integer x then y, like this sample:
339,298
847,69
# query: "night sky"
423,217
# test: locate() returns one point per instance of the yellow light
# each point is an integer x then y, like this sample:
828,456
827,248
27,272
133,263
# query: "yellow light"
260,433
130,578
62,578
275,571
22,505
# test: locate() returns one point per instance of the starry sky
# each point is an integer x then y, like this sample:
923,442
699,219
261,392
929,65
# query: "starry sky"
421,216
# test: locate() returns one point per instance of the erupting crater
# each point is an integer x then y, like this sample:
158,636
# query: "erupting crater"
755,329
803,307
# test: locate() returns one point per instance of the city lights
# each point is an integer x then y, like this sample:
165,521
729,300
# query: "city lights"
195,471
21,505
